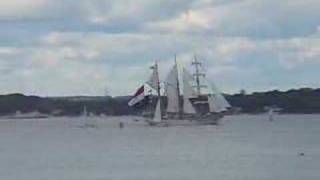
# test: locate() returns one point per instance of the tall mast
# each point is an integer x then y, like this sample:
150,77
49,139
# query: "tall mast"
158,80
178,88
198,74
158,86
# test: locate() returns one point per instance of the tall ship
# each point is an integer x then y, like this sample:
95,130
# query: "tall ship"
189,100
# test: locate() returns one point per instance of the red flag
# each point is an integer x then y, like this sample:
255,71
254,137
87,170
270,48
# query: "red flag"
138,96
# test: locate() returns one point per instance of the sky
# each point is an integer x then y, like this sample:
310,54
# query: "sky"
90,47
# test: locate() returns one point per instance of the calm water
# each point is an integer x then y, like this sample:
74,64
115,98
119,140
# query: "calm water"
243,147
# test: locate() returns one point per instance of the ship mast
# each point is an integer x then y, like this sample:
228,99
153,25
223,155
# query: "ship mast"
158,80
158,88
178,89
198,74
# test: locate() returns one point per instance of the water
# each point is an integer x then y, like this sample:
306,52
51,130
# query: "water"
243,147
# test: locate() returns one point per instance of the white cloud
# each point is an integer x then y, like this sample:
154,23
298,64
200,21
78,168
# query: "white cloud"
80,47
188,21
18,9
230,48
8,50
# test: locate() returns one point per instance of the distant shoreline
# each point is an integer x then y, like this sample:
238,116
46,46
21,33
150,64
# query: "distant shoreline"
300,101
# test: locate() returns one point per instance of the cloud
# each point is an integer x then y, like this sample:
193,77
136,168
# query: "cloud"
66,48
16,9
189,21
267,19
299,51
103,58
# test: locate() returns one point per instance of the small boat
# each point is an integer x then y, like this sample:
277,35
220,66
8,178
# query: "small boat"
200,104
84,112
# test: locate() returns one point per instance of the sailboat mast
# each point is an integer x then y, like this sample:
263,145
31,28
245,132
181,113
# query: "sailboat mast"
197,75
178,88
158,81
158,87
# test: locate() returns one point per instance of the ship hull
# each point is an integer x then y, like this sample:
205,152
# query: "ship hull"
188,121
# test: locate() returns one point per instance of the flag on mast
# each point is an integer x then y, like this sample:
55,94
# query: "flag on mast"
137,97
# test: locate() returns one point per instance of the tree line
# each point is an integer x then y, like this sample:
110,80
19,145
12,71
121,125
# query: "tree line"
305,100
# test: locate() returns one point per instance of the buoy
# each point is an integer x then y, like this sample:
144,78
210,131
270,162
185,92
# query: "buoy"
121,125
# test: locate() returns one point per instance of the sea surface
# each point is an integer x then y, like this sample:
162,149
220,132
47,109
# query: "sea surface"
247,147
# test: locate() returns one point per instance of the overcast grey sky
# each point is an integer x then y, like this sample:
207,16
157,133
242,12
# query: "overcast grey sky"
78,47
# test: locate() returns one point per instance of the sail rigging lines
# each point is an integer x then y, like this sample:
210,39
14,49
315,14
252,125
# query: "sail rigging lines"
190,101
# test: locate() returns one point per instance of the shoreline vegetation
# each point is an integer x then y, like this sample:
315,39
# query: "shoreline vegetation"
302,101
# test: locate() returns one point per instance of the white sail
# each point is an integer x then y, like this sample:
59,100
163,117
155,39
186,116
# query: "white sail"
188,75
188,92
188,107
188,84
217,103
224,103
157,115
214,104
171,87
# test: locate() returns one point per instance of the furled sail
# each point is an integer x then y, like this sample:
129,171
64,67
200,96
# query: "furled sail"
157,115
172,90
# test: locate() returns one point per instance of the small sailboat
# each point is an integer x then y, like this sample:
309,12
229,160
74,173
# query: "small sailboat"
84,112
200,104
270,114
87,122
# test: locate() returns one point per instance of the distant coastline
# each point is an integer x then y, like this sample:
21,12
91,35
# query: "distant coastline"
302,101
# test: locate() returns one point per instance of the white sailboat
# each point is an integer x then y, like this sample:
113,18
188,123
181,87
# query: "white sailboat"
86,121
84,112
191,108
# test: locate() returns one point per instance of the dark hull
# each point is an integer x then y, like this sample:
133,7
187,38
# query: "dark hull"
212,119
